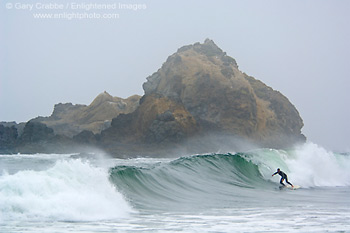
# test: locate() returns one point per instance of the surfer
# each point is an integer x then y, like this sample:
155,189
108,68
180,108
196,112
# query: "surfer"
283,177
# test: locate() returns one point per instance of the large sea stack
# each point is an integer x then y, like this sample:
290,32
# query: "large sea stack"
197,96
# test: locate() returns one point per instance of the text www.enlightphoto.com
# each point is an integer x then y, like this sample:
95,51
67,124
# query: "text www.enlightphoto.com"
75,10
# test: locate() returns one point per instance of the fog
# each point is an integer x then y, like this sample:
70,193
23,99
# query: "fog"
300,48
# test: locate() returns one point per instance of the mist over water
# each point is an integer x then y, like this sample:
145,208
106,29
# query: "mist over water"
196,193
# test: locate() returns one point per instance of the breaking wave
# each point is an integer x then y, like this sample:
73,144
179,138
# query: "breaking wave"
71,190
225,179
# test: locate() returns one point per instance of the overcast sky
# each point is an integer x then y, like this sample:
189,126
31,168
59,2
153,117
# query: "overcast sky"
300,48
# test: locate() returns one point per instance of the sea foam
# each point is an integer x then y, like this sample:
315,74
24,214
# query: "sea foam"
72,190
311,165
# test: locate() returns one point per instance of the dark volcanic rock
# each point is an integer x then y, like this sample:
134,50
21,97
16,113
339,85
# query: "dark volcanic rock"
8,137
38,138
85,137
163,128
19,126
35,132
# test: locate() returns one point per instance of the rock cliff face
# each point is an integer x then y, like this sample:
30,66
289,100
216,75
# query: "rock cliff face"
38,138
69,120
199,90
8,138
157,122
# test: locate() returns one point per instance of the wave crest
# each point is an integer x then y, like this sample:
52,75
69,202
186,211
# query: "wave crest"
70,190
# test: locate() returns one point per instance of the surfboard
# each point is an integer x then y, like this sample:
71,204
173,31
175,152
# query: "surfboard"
290,187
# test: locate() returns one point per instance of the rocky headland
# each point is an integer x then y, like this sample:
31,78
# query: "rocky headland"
68,119
70,128
198,101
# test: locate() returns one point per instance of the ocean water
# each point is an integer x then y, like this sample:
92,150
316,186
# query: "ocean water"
232,192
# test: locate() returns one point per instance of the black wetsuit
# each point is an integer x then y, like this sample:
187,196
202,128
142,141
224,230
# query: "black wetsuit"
283,177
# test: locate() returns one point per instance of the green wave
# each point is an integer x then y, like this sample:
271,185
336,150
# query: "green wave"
201,179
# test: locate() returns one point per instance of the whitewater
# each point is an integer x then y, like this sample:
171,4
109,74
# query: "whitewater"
220,192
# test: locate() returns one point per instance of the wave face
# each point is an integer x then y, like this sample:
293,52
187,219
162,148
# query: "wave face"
70,190
187,180
223,180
